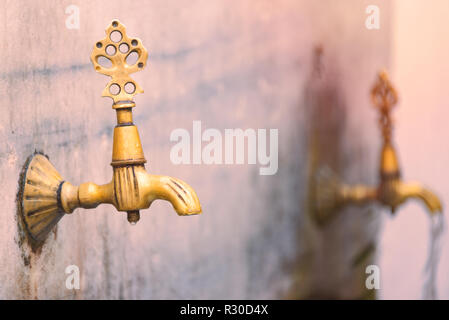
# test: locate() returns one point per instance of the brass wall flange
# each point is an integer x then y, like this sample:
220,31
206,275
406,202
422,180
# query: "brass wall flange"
39,203
329,194
45,197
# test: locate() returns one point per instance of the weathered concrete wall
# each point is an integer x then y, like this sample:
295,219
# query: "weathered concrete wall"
239,64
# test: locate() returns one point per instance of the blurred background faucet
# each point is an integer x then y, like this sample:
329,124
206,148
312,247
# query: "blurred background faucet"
330,194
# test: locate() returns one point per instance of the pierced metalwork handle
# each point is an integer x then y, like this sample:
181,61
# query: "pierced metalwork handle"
384,97
118,48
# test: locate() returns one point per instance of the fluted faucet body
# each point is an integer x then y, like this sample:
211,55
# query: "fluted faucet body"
45,197
131,188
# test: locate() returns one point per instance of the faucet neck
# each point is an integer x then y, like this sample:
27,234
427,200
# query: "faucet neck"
389,164
127,148
124,116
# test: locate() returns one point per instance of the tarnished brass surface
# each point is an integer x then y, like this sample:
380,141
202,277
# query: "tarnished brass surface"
45,197
331,194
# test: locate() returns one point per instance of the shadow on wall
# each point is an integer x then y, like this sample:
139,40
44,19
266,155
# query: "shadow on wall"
328,265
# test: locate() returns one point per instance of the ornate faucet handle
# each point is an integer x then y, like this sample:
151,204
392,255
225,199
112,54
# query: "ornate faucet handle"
384,97
383,94
118,48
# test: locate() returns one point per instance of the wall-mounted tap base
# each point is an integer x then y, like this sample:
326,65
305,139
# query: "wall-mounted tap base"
324,195
39,197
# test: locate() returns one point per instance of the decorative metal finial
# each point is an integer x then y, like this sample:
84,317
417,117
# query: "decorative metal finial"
117,47
384,98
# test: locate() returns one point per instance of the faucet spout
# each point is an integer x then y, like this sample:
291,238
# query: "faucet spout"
177,192
416,190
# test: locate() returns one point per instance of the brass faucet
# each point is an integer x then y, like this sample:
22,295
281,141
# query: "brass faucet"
331,195
44,196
